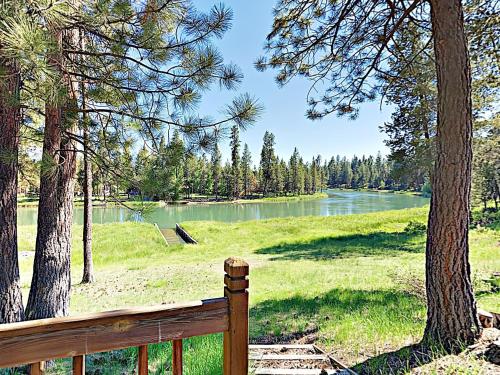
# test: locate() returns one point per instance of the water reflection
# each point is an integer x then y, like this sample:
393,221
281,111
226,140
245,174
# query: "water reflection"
337,203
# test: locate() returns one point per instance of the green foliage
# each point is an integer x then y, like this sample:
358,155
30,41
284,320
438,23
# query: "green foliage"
486,217
415,227
267,159
427,190
365,172
235,161
164,176
246,165
137,76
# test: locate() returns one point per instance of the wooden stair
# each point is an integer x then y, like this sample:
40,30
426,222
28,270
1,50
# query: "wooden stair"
293,360
171,237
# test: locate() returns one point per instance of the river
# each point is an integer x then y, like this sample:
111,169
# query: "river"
338,202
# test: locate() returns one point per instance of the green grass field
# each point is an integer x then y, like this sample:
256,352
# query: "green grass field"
335,280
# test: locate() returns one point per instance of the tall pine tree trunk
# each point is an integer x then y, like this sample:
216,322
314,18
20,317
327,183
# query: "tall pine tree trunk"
51,281
11,306
88,265
451,316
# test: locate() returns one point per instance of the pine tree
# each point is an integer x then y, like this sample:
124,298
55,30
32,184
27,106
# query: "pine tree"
266,162
331,41
235,161
11,308
295,172
246,164
216,171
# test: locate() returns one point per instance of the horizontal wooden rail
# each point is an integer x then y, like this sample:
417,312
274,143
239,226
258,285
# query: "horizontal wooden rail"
45,339
34,342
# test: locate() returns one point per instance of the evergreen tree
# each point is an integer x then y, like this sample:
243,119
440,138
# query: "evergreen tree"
246,164
266,162
11,308
329,45
75,42
216,171
235,161
295,172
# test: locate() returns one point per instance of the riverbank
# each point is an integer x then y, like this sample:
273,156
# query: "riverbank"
388,191
254,199
24,202
343,282
139,204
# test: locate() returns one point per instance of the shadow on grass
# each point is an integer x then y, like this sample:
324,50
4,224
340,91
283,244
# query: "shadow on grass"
398,362
378,243
342,314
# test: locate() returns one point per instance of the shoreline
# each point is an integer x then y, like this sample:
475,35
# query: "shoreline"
193,202
212,201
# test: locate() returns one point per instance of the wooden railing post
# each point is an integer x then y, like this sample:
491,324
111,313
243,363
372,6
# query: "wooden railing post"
236,338
79,365
37,368
177,357
142,360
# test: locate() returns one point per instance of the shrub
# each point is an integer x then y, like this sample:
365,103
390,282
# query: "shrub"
486,217
415,227
427,190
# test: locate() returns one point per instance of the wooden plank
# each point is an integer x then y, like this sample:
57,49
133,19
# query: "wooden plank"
177,357
79,365
34,341
142,360
286,346
289,357
161,234
37,368
279,371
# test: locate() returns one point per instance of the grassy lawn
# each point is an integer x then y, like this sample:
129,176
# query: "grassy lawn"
334,280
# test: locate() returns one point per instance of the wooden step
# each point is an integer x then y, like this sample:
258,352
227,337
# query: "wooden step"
288,357
171,237
282,346
298,371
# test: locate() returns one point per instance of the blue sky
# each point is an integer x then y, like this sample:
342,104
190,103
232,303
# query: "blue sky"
284,112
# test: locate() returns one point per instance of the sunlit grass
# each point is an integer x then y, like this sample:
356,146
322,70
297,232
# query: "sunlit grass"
328,277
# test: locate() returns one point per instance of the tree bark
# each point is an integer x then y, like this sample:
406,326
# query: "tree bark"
51,281
11,305
452,315
88,265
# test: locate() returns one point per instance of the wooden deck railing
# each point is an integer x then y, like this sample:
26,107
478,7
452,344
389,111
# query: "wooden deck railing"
34,342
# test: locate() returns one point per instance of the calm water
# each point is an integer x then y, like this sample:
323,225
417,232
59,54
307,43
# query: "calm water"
337,203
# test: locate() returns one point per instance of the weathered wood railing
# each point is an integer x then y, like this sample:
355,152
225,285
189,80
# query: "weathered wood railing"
184,234
34,342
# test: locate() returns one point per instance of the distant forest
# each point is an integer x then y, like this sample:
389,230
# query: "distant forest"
175,172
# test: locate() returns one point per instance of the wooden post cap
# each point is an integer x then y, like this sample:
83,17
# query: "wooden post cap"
236,267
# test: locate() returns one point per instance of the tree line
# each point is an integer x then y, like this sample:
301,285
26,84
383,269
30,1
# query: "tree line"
176,172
